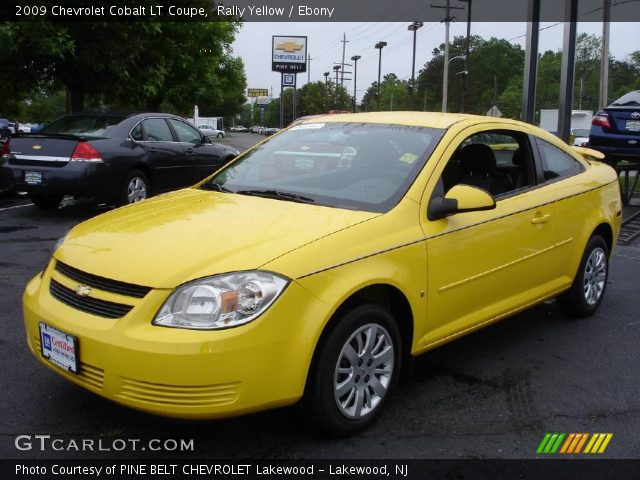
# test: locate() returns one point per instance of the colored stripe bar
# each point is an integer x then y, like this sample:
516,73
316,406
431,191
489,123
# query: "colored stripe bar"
568,442
607,439
555,447
590,444
550,443
599,440
581,442
543,443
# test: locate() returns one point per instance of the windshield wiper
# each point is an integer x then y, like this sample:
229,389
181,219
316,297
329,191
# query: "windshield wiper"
292,197
215,186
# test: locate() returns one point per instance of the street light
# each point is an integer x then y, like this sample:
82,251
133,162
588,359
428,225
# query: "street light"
336,69
355,59
326,82
445,86
379,46
414,28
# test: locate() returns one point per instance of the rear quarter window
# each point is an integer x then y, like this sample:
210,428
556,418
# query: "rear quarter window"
556,163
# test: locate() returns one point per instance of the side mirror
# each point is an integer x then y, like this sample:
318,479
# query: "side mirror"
206,139
461,198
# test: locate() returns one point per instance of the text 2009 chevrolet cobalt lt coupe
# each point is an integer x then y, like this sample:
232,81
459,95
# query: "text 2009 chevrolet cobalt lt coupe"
319,262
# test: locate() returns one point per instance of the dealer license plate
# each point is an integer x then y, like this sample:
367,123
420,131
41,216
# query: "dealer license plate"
33,178
59,348
633,125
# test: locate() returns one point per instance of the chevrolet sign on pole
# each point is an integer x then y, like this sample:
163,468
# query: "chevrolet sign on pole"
289,54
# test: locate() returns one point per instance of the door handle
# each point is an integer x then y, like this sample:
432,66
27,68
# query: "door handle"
189,150
538,219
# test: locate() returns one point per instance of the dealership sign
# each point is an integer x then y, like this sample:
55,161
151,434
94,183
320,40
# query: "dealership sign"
289,54
257,92
264,100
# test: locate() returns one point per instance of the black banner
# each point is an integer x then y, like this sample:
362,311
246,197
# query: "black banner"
320,469
306,10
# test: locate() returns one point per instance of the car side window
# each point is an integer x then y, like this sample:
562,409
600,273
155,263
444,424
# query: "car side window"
555,162
137,133
498,161
156,130
186,133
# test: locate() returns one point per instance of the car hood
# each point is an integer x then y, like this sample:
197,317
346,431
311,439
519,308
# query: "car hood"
189,234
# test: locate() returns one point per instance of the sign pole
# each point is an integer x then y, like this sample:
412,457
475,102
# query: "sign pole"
281,100
295,85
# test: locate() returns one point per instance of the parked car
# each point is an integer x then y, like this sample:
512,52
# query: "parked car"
580,136
615,131
209,131
255,129
239,128
319,263
120,159
270,130
5,131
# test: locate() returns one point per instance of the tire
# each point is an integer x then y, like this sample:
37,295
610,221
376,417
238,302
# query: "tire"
352,378
587,291
46,201
136,188
220,135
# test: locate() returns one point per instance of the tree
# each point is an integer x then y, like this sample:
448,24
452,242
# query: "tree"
132,65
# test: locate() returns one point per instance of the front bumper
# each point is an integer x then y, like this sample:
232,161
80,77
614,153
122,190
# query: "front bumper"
176,372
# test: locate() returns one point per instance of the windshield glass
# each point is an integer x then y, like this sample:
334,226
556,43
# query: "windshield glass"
631,99
82,125
347,165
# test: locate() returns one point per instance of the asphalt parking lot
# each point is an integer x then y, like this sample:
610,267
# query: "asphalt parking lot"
492,394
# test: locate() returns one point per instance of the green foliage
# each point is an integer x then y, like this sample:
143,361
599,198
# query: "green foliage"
148,65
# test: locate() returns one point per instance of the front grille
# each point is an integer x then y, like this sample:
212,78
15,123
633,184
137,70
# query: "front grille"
180,395
88,375
106,284
95,306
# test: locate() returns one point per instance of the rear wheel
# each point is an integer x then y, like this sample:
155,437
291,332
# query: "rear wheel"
356,369
135,189
46,201
220,135
586,292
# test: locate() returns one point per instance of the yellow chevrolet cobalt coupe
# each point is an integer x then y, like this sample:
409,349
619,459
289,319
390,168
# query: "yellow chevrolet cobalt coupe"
322,260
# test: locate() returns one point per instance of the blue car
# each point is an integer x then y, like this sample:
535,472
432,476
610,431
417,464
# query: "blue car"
615,131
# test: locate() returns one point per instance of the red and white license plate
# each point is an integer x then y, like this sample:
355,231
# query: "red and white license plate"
59,348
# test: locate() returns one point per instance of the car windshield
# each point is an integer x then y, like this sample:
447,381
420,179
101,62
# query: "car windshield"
83,125
346,165
631,99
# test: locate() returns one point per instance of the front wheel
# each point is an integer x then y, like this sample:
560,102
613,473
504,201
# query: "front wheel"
356,368
220,135
135,189
586,292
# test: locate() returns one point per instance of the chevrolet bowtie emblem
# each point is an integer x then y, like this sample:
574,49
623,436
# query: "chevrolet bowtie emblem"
83,290
36,147
289,47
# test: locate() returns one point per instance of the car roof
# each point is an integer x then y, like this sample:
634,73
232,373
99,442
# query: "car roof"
418,119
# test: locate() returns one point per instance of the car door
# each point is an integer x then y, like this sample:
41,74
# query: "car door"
486,264
165,155
203,158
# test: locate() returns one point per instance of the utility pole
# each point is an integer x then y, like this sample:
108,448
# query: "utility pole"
604,59
445,75
344,44
465,77
355,59
309,67
379,46
414,28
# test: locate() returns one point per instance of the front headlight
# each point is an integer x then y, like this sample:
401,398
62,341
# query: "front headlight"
221,301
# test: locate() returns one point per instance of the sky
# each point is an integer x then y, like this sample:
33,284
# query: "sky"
253,45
